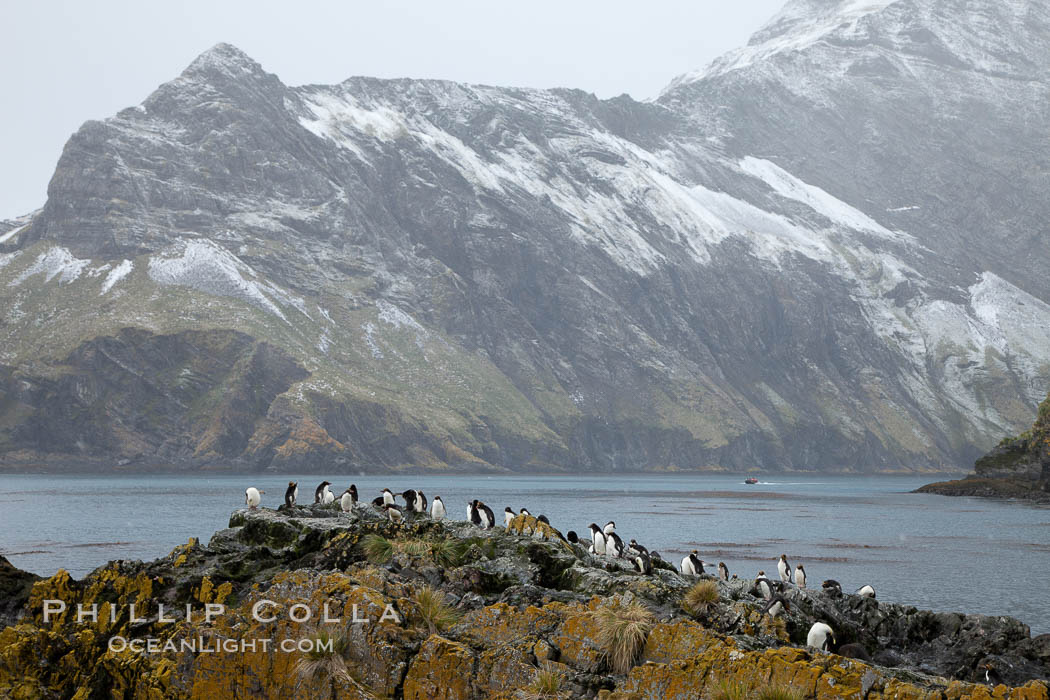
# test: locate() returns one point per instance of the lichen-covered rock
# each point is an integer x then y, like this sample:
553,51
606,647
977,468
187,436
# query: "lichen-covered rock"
524,603
576,642
443,670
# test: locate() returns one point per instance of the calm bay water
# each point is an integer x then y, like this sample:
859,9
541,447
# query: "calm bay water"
934,552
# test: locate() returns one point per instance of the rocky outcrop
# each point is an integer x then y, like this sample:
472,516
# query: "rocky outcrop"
516,604
1018,468
15,585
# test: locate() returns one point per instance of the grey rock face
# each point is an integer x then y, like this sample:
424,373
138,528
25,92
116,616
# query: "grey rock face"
902,108
732,275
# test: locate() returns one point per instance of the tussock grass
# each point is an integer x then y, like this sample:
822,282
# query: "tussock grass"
449,551
700,598
728,689
777,692
445,551
622,631
434,610
547,684
486,545
413,548
378,549
325,664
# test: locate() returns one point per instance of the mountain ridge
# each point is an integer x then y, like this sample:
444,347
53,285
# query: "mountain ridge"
485,278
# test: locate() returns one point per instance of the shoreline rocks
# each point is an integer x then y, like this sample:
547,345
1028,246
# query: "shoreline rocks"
994,487
1016,469
513,603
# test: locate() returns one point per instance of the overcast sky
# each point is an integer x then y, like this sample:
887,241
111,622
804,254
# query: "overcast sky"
63,62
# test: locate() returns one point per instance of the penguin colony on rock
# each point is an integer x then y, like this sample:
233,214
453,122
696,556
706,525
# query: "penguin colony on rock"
604,542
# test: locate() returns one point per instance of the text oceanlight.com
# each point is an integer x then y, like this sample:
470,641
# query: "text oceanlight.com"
200,645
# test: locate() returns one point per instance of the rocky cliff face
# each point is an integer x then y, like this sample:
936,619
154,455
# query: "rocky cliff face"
513,607
1018,467
1026,456
778,262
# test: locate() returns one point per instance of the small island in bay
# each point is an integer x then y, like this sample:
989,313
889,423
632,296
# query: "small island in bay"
1017,468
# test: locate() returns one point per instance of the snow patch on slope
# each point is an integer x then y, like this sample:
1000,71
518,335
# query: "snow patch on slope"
396,317
343,119
116,274
4,238
787,185
1015,319
953,346
800,24
346,120
210,268
54,262
370,339
7,258
770,235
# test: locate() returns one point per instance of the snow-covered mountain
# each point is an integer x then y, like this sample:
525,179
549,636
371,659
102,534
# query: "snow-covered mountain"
822,251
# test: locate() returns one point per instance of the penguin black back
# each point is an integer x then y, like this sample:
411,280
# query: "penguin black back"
772,603
774,587
490,517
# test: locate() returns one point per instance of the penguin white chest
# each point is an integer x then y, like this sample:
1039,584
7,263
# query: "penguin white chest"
818,636
252,497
